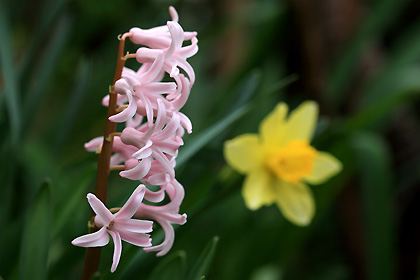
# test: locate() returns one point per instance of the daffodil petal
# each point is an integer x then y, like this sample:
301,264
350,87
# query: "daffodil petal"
295,202
273,126
243,153
258,189
301,123
325,166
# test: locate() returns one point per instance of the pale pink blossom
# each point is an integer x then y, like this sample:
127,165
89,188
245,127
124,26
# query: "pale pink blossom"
165,215
120,226
157,37
153,143
174,56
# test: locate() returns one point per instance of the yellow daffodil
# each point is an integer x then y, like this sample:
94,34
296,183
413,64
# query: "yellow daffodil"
279,162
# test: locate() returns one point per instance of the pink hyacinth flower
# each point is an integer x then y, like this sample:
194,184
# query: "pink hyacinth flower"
120,226
174,56
156,142
165,215
157,37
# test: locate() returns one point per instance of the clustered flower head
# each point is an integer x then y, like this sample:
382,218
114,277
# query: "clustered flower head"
147,147
280,161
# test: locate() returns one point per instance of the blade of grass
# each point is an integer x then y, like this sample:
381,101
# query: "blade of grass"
43,73
51,11
373,158
73,106
171,267
11,89
204,261
36,235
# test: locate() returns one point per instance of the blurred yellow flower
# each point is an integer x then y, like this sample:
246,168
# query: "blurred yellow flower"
279,161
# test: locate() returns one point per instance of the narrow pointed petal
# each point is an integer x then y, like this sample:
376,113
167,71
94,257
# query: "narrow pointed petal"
185,122
166,245
128,112
157,196
137,172
301,123
144,152
132,204
155,69
188,69
296,202
138,239
169,129
177,35
244,152
325,166
96,239
273,127
173,13
139,226
99,208
94,144
258,189
117,249
190,50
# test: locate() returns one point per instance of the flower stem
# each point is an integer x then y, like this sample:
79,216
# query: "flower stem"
93,254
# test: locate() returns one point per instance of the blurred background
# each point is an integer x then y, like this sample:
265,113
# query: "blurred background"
359,59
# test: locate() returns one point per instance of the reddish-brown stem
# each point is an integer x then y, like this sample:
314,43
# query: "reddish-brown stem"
93,254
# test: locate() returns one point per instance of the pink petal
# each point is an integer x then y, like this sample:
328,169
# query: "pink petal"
179,102
144,152
185,122
167,243
128,112
117,249
173,13
99,208
157,196
169,130
94,144
96,239
177,35
159,88
138,239
132,204
163,160
155,69
188,69
176,93
157,180
189,35
139,171
133,225
190,50
116,159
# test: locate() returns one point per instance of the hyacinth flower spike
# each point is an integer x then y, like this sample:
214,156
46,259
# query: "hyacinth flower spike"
280,161
120,226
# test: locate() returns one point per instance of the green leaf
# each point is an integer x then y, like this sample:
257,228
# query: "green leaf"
11,90
373,158
172,267
74,104
204,261
36,235
44,70
201,140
